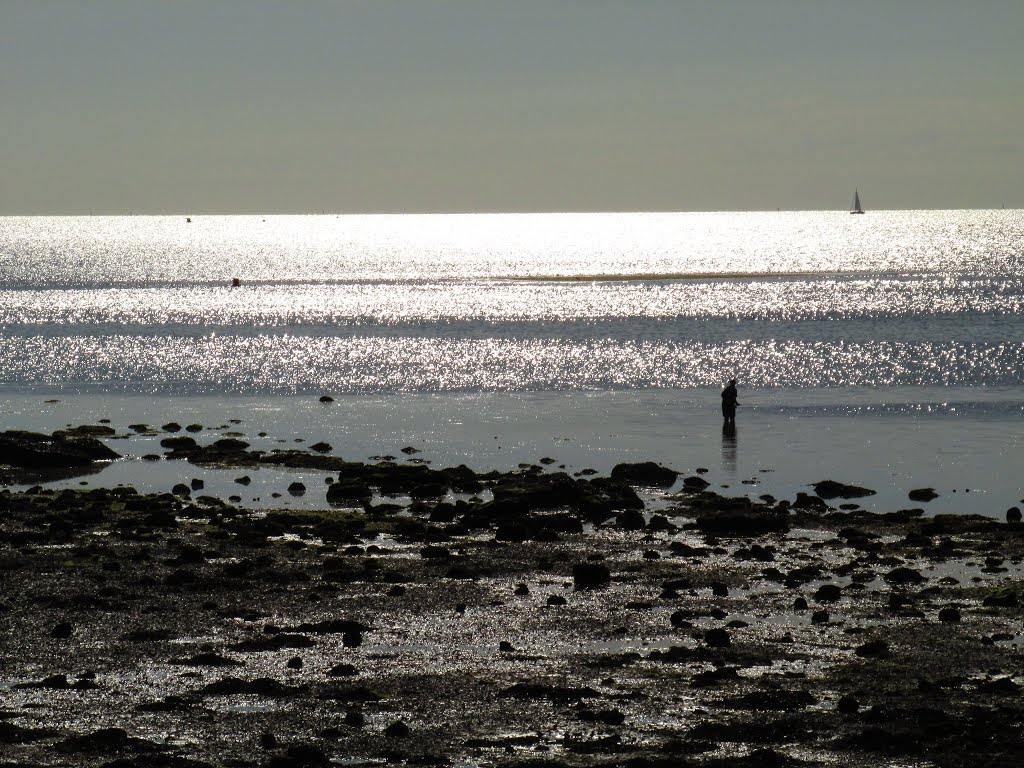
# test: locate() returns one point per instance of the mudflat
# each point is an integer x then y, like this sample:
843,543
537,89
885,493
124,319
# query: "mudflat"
449,617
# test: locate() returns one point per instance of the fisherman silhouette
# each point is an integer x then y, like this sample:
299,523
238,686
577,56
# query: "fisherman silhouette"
729,402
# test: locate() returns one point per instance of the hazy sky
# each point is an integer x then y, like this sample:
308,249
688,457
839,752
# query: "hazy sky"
451,105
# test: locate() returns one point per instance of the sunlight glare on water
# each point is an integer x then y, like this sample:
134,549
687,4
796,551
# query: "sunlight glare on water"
514,302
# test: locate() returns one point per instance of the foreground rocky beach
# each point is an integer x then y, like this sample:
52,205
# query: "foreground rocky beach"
429,616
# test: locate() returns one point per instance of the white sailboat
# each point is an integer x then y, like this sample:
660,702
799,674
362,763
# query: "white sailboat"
856,203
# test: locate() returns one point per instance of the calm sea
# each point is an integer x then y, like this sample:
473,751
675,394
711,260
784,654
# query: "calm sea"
888,319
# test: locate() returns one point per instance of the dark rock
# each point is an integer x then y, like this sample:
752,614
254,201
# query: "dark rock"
352,639
873,649
903,575
171,426
695,483
179,444
1001,597
62,631
244,480
922,494
268,740
800,604
820,617
717,638
36,451
949,615
229,445
590,576
1002,686
715,677
14,734
343,670
603,716
775,699
181,489
847,705
59,683
805,501
1013,515
397,730
355,719
630,520
828,593
146,635
326,399
554,693
88,430
556,600
321,447
297,489
347,490
830,489
644,473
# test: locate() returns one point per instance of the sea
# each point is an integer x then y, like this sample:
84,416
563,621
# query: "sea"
883,350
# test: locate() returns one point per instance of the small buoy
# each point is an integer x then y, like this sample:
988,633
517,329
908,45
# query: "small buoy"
236,282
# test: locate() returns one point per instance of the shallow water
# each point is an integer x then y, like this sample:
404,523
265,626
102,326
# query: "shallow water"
967,449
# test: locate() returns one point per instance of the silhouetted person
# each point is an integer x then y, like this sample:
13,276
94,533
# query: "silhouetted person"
729,402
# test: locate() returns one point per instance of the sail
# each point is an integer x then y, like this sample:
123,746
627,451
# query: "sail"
856,203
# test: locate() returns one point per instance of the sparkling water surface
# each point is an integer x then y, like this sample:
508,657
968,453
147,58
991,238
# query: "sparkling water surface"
515,302
898,330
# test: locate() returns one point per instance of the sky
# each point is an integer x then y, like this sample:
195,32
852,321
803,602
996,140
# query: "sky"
251,106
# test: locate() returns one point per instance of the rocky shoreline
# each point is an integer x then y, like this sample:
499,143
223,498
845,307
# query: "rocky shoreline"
450,617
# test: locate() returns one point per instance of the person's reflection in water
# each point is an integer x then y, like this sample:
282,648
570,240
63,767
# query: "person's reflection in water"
729,447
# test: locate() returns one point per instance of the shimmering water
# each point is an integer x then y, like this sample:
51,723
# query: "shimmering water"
372,304
860,342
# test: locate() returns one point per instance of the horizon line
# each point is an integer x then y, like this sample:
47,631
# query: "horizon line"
512,212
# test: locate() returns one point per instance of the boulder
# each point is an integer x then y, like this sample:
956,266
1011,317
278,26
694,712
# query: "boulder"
828,593
903,575
922,494
645,473
179,443
873,649
695,483
590,576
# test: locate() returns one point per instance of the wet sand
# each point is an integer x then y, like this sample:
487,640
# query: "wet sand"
501,618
